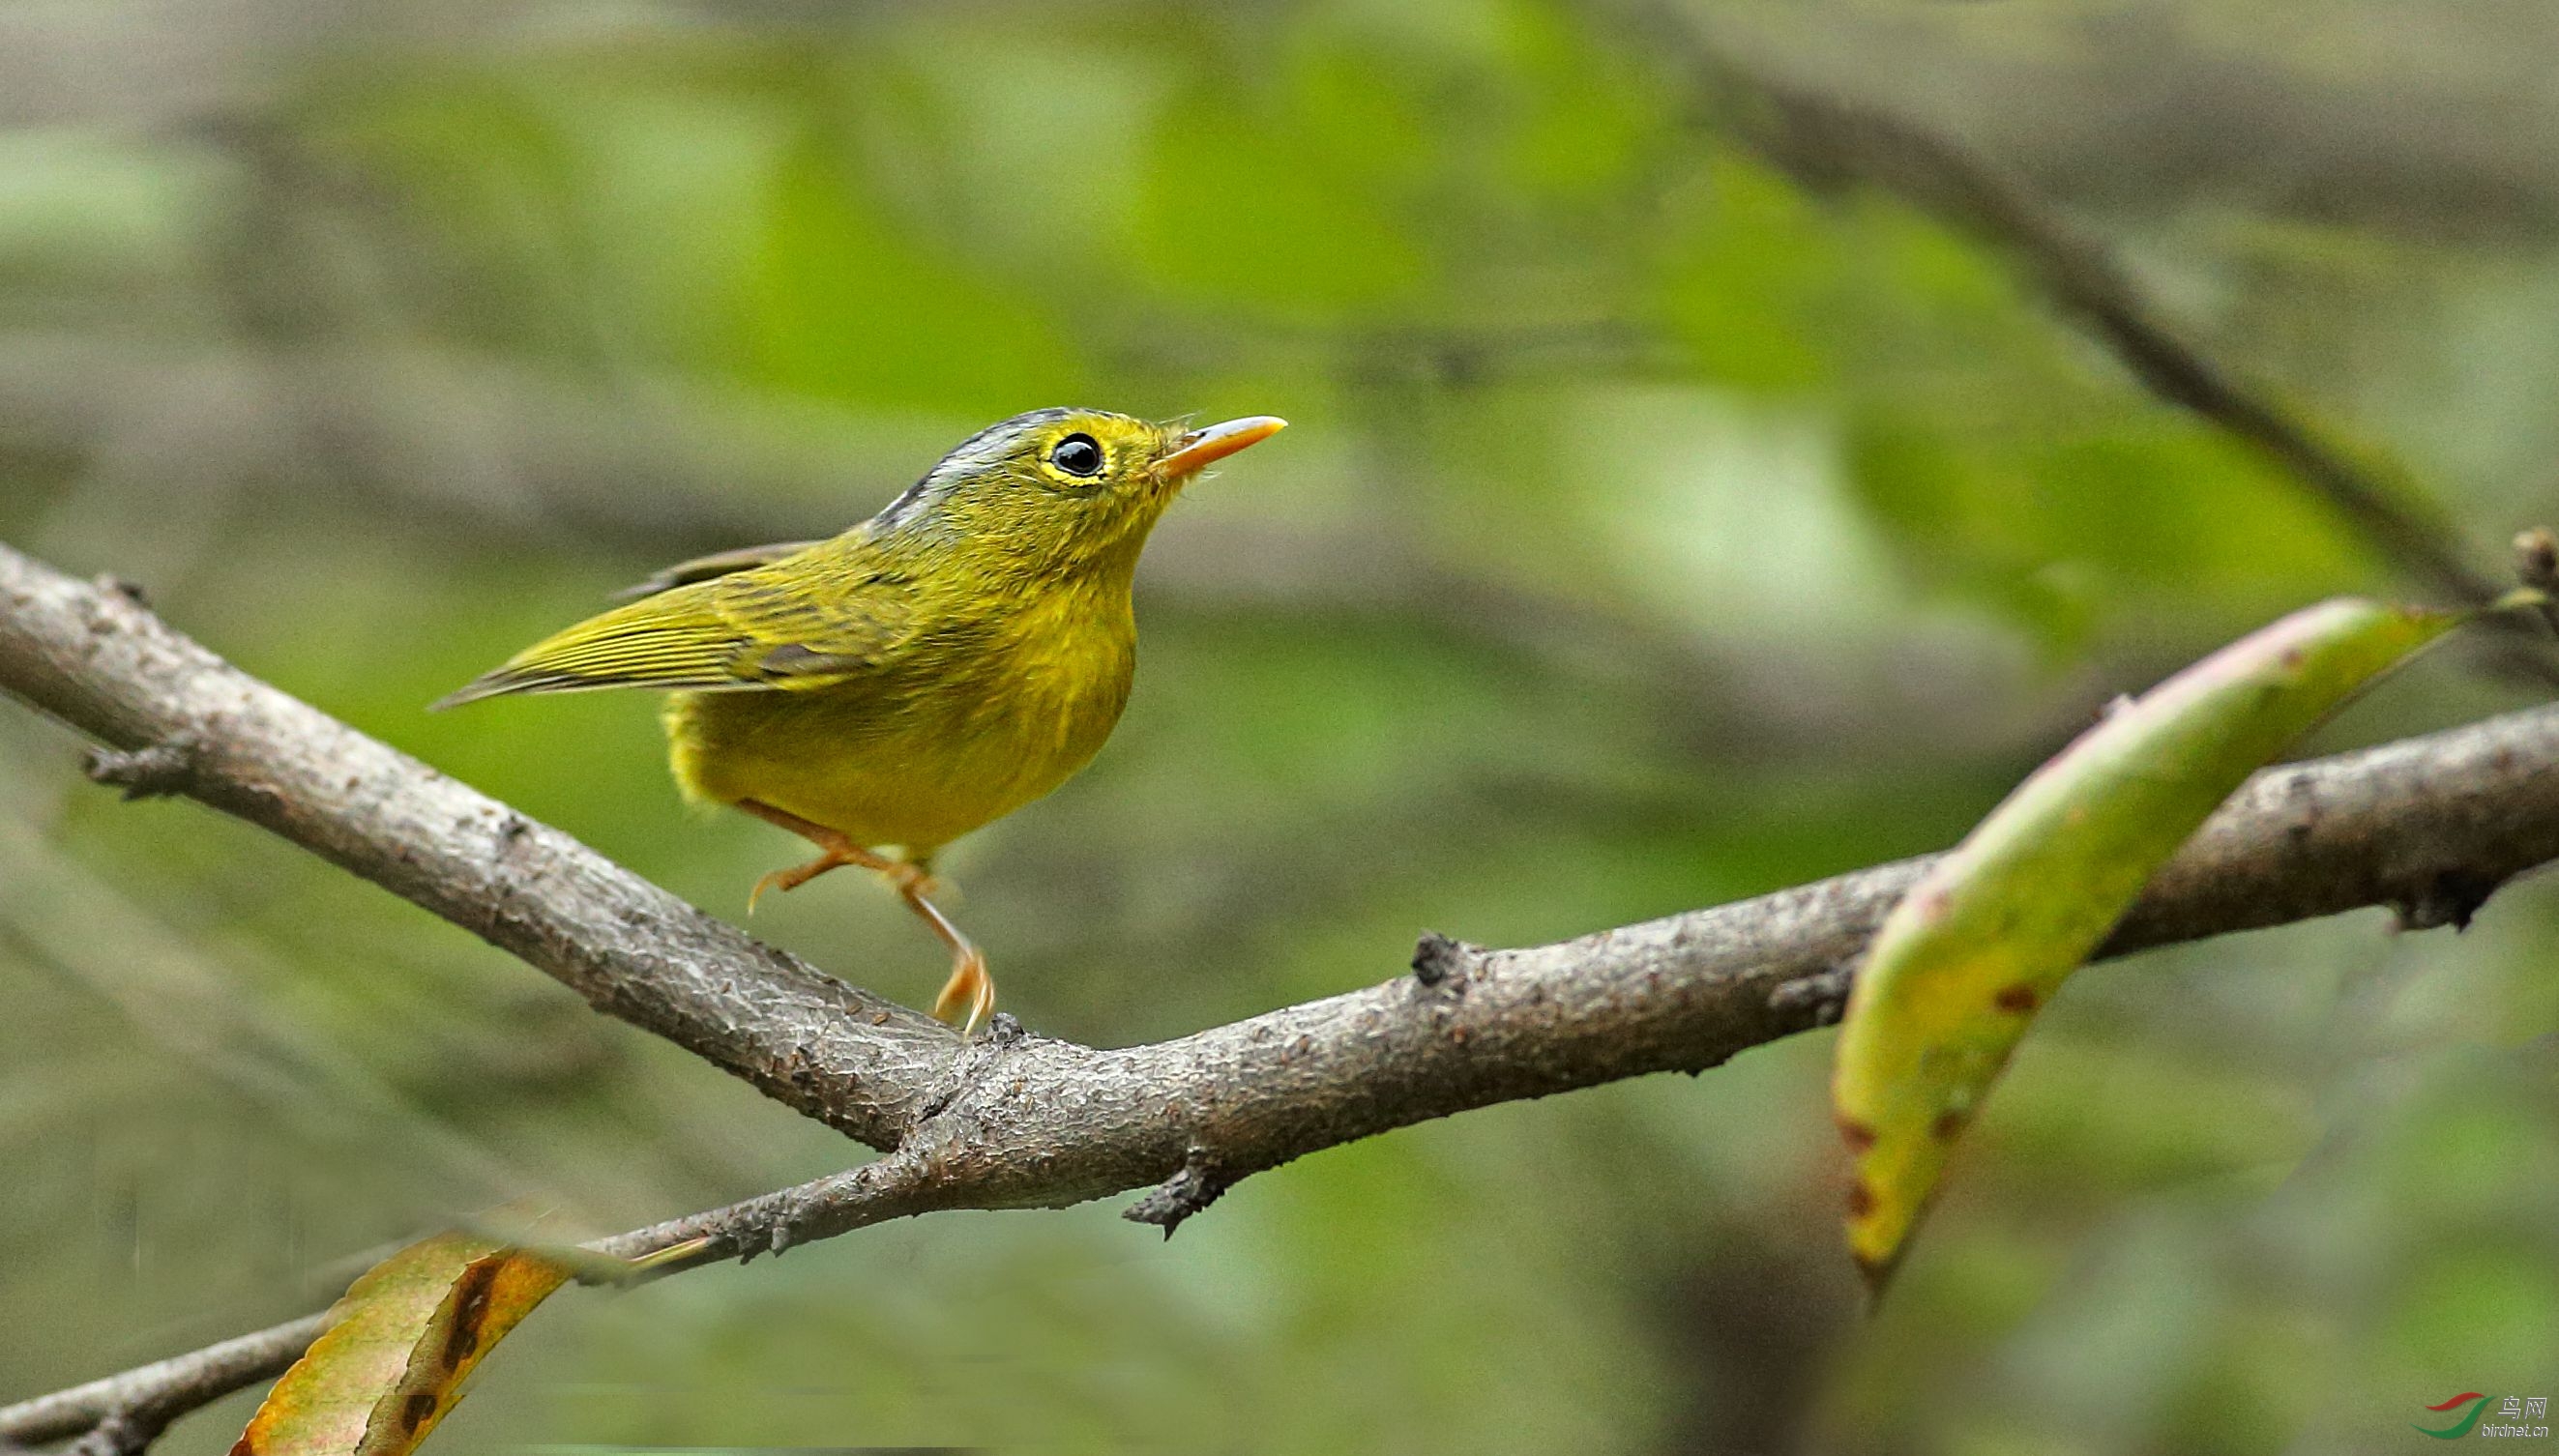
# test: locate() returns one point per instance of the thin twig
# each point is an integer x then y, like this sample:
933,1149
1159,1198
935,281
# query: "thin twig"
166,1388
141,1402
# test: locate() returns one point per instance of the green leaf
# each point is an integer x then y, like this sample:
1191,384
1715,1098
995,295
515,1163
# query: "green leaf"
1983,939
405,1337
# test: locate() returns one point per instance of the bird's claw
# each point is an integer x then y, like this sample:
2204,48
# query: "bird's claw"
970,989
788,880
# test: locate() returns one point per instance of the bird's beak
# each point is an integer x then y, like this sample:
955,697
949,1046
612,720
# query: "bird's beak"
1208,446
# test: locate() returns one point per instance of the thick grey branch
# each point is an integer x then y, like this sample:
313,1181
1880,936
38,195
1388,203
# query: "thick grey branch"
177,719
2430,825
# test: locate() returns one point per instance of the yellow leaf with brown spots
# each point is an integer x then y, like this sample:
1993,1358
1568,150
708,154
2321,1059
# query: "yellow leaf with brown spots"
1980,943
405,1337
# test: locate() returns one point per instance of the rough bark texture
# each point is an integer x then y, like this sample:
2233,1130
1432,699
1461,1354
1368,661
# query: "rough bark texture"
177,719
2429,825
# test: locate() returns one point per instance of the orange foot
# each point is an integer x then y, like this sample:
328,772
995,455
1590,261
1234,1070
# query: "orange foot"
971,993
839,852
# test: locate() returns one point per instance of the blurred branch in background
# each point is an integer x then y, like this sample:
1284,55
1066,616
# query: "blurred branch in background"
2432,827
1827,141
185,1001
2158,103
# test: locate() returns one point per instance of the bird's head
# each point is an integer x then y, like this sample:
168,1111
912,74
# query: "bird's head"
1060,492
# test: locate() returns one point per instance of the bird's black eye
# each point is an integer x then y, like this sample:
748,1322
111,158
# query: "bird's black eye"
1077,454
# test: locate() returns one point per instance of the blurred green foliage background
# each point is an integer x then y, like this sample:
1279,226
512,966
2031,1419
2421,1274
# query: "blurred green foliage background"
1654,530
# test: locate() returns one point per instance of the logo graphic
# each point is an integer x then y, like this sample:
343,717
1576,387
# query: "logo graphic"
2462,1427
2509,1410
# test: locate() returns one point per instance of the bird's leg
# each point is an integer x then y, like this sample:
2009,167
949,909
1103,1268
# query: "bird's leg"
970,990
841,851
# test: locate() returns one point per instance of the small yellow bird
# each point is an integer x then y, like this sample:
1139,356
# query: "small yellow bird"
931,670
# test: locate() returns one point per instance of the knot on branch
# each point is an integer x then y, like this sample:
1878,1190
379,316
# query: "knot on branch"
1440,962
783,1230
1199,1183
1820,997
2536,559
123,587
2450,898
123,1433
1003,1037
150,771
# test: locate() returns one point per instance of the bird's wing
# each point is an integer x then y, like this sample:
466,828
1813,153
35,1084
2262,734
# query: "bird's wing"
704,568
814,622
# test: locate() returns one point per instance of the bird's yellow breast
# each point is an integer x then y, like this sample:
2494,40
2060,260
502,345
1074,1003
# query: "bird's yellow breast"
968,722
